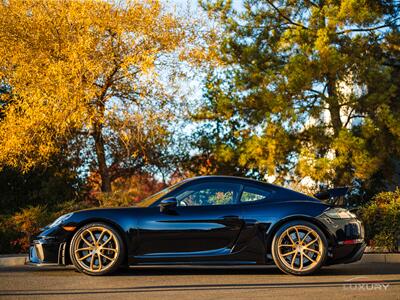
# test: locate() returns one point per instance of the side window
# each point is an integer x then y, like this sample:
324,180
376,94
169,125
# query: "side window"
208,194
251,194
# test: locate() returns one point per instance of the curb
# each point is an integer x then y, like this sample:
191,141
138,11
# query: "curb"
383,258
13,260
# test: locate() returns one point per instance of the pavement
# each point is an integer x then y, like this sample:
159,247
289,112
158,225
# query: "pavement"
358,280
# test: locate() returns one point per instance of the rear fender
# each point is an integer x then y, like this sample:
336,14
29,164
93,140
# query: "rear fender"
274,228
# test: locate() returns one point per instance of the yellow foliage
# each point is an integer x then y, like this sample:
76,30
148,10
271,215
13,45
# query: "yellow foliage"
66,60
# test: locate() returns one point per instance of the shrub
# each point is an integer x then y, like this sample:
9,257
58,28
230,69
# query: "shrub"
17,230
8,234
70,206
128,191
28,223
381,219
115,199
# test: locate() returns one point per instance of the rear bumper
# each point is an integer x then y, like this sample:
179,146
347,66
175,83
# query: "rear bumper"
357,254
347,254
346,243
47,252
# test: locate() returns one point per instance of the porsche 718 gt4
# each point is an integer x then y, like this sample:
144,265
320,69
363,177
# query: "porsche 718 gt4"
206,220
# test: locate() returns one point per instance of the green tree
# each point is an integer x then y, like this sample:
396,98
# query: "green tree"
307,88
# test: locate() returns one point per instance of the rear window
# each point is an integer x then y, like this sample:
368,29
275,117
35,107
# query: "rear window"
251,194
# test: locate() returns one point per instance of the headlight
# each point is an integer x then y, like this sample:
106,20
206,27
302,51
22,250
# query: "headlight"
60,220
339,213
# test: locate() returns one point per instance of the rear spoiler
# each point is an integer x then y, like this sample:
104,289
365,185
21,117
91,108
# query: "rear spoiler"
332,193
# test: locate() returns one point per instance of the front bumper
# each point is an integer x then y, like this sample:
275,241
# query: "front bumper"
47,252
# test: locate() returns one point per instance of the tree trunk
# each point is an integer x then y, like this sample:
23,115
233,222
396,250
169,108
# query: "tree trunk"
334,107
101,158
98,135
337,125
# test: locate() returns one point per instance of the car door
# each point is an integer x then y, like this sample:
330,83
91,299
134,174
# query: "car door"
206,222
255,202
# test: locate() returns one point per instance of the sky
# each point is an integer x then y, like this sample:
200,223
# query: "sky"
193,4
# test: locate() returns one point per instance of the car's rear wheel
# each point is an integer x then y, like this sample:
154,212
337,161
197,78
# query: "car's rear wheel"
97,249
299,248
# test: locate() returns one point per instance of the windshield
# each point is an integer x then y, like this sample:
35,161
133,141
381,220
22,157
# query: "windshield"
149,201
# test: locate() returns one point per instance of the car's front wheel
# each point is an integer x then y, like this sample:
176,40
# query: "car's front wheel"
299,248
97,249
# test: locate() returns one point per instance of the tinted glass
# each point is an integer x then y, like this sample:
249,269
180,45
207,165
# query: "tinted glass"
208,194
251,194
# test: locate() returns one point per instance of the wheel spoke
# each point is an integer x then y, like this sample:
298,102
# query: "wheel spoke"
298,235
84,257
109,249
312,250
309,258
100,236
92,262
288,253
310,243
304,238
105,243
105,256
301,261
293,260
93,237
288,234
100,264
85,240
83,249
285,245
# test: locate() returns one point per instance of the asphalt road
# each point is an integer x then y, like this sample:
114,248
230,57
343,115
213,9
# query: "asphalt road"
361,280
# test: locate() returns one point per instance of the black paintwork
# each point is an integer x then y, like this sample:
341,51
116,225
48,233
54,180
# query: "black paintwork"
239,233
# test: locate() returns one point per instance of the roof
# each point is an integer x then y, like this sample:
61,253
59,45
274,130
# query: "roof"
283,191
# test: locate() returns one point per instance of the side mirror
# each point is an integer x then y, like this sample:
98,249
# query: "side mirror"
168,204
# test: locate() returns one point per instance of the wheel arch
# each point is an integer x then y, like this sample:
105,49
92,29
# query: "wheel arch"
273,229
106,221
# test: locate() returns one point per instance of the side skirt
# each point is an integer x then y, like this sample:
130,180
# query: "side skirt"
200,263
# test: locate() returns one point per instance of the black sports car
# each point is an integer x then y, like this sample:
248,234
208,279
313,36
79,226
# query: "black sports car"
206,220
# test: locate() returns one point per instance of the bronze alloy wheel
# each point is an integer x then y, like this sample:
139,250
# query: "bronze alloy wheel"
96,249
299,249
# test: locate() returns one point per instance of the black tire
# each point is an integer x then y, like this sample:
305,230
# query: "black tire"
294,263
109,265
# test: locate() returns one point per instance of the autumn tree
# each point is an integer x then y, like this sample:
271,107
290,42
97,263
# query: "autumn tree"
308,90
86,79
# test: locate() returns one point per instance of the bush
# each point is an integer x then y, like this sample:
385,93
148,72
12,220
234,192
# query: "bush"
8,235
115,199
28,223
70,206
128,191
381,218
16,230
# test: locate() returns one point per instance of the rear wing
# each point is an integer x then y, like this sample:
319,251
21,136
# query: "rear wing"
332,193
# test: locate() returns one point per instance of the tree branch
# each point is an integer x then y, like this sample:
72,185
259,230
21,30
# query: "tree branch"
284,16
370,28
352,117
